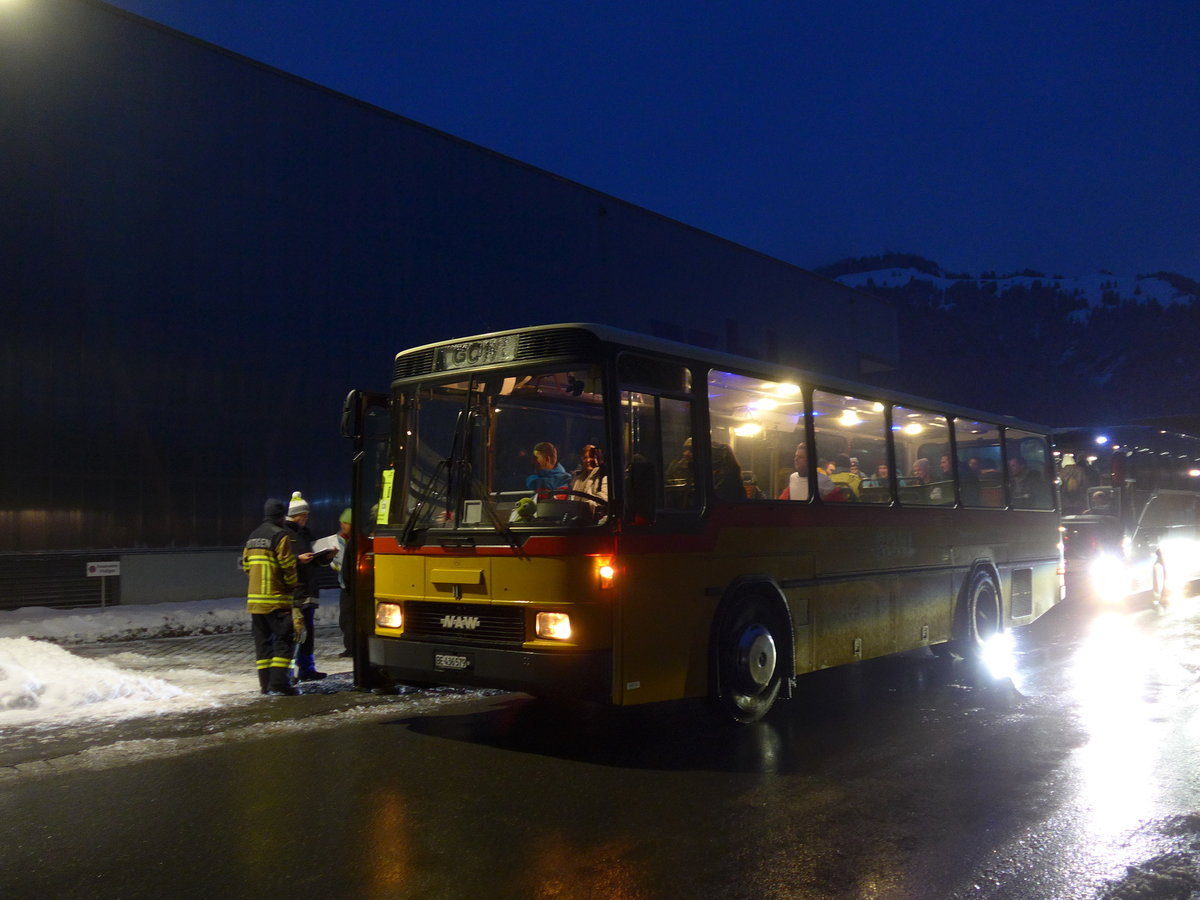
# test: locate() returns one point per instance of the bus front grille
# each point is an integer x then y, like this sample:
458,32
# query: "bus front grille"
470,622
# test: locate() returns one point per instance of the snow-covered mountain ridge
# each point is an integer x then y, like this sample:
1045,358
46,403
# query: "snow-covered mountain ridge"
1052,348
895,271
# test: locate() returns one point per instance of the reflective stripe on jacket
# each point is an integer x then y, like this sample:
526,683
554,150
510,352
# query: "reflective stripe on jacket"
271,565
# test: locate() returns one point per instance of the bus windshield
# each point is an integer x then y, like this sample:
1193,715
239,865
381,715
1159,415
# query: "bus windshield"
502,451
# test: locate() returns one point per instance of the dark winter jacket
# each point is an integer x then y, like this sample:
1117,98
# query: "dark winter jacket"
271,564
307,586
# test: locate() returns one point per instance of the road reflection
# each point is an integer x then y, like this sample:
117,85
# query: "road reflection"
1117,677
1107,678
833,713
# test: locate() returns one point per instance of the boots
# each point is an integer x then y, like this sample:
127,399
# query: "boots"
278,683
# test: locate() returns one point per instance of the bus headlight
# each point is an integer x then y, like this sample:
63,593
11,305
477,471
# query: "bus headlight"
389,615
554,625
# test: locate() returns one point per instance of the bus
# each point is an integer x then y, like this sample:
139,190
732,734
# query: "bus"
580,511
1130,498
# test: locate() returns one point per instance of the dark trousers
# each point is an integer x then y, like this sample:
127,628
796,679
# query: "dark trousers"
274,640
304,658
346,620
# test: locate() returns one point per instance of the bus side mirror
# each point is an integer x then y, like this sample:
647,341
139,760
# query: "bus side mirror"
352,409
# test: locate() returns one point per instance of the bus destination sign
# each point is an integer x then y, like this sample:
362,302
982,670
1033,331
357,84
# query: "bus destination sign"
479,353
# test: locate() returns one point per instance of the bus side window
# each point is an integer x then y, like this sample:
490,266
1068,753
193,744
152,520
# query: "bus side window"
657,429
852,460
755,425
978,446
1029,471
922,445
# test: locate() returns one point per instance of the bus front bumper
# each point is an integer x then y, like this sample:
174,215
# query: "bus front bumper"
582,676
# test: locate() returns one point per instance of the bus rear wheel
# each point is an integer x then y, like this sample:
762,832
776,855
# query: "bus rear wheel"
982,614
748,664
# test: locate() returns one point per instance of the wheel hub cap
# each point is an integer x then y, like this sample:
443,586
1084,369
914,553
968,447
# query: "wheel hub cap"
756,657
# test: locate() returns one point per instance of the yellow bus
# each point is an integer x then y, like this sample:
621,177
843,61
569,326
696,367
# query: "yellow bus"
580,511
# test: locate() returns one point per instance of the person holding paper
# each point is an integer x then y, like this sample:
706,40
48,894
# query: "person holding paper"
307,596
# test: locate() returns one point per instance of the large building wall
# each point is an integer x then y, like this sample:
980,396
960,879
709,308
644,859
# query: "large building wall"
200,255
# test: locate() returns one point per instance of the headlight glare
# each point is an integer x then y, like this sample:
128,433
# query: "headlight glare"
389,615
553,625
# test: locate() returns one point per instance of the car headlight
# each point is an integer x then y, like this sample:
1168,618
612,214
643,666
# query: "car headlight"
1109,576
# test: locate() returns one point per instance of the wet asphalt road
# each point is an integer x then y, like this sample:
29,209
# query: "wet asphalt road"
908,777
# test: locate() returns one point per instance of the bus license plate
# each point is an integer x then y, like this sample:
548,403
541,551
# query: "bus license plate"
451,662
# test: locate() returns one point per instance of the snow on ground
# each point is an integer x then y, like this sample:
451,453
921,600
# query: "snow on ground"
43,682
125,623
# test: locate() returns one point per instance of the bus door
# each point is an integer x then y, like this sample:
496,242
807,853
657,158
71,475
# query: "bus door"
662,585
366,419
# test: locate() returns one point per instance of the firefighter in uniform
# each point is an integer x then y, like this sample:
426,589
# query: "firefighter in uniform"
271,565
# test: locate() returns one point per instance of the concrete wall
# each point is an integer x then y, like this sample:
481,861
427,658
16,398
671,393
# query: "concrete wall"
184,575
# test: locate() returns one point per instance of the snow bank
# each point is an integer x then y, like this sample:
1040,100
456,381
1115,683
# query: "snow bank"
40,678
125,623
44,683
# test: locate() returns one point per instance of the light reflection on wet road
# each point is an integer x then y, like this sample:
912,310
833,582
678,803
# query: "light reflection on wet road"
902,777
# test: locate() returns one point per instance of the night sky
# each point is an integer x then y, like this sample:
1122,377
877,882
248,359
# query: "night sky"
1063,137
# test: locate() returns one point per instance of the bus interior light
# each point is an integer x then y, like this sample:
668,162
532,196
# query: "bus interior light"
389,615
553,625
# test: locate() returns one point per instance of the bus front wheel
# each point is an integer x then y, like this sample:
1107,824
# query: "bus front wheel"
749,672
981,614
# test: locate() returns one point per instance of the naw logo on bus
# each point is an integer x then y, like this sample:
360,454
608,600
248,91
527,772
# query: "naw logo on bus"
461,623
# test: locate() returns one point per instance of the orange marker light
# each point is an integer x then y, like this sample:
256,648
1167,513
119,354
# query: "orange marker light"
606,572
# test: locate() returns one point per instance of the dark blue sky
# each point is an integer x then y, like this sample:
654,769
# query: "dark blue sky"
1062,136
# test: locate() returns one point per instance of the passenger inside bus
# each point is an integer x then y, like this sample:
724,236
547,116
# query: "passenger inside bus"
921,472
681,471
797,486
1100,502
841,475
550,474
727,473
827,487
968,479
1026,485
880,478
591,477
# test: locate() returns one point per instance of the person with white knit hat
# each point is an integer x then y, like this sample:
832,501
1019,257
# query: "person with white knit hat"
306,599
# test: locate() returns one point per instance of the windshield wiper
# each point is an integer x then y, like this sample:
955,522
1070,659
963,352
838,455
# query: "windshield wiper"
410,524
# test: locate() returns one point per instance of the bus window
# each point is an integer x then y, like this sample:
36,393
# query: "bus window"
924,463
755,427
979,463
851,446
1029,471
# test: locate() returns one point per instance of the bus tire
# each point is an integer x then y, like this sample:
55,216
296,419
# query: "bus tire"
749,661
1158,581
981,614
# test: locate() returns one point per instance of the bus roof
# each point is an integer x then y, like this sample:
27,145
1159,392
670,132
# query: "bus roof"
721,359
